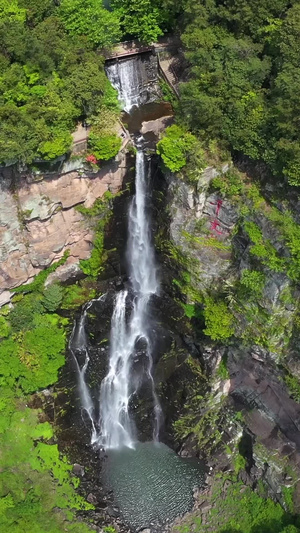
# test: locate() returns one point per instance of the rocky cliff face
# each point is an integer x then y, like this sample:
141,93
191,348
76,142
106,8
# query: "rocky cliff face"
39,221
210,245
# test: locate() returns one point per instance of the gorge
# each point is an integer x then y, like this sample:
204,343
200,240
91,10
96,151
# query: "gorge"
150,483
149,277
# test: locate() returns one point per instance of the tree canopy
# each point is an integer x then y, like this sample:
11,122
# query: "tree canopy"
243,78
50,74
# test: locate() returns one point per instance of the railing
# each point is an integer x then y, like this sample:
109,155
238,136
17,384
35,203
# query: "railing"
165,77
128,48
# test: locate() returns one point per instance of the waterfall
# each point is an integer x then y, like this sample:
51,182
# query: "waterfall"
78,344
125,77
116,427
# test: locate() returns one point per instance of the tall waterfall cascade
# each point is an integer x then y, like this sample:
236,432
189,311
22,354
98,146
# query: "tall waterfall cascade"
150,483
114,428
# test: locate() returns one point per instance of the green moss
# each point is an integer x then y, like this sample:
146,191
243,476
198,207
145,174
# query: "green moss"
293,386
229,184
100,213
222,371
77,294
239,463
218,320
238,509
203,419
210,242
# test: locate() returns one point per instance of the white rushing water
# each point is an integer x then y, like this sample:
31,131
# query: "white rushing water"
78,343
116,427
124,77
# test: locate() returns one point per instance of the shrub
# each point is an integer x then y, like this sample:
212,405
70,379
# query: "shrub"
4,327
218,320
22,315
230,184
105,146
53,296
175,146
253,281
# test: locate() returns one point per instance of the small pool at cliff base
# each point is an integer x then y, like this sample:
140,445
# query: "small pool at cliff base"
151,483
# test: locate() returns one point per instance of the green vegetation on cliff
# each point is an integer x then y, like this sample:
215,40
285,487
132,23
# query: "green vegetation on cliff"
234,508
37,491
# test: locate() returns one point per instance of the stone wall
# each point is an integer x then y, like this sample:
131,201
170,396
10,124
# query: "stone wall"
39,221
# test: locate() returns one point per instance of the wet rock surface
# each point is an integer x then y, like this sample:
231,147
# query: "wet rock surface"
173,376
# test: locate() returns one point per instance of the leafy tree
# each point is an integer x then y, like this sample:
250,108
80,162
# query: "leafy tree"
244,74
49,78
90,18
106,146
175,147
37,10
10,10
141,18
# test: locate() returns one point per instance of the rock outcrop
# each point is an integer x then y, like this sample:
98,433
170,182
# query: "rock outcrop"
208,241
39,221
201,225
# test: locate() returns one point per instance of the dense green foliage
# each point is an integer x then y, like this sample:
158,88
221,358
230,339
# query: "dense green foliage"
104,146
179,148
240,510
32,355
91,19
244,74
37,492
53,296
50,74
146,19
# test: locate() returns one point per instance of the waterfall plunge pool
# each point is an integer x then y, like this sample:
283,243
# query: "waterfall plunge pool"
151,483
